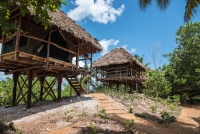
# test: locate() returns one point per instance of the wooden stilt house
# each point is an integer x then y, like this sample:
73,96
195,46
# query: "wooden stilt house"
37,53
118,68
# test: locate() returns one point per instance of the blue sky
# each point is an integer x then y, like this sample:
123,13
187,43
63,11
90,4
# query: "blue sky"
120,23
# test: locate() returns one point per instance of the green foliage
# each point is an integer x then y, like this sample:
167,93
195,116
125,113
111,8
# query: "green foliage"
165,117
156,85
66,91
6,92
190,7
69,115
129,124
142,115
131,109
183,72
39,7
94,131
102,115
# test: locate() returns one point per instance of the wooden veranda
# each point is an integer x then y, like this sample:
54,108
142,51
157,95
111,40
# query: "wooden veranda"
33,54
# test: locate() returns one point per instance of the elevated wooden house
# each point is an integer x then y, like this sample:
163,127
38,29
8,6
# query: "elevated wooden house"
118,68
37,53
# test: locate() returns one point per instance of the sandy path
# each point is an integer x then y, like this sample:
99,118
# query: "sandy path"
185,124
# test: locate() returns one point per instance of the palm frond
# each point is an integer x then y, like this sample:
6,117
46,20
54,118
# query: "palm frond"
190,9
163,4
143,4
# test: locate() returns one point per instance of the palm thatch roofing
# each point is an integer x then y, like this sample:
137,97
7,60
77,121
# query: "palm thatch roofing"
63,22
116,57
68,28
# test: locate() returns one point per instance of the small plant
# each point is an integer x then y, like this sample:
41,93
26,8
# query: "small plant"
129,124
85,114
102,115
142,115
19,132
131,109
69,115
165,117
94,131
153,108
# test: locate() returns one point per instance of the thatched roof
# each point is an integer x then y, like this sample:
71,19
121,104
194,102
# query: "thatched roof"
116,57
62,21
68,28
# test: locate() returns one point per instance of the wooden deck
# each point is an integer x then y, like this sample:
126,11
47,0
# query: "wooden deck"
19,61
122,79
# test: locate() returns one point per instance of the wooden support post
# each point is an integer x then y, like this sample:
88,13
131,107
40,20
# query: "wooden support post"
2,48
91,60
77,58
30,79
131,69
136,84
18,37
14,95
48,47
59,78
41,87
120,72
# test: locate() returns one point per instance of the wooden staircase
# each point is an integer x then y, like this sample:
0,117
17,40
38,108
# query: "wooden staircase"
76,85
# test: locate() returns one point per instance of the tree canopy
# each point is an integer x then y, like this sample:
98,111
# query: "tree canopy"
39,7
184,68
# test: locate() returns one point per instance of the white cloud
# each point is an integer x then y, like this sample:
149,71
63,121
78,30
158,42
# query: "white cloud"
81,63
133,50
106,43
101,11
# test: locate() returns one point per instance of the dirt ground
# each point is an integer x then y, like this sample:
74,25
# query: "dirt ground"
76,115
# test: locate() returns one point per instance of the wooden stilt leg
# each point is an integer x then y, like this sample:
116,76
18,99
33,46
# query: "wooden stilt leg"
59,87
41,87
30,79
14,95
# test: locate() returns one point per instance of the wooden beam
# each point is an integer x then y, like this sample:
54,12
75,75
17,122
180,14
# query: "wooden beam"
48,47
18,36
51,43
15,9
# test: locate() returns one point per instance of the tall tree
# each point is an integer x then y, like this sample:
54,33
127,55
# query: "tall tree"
184,65
39,7
190,7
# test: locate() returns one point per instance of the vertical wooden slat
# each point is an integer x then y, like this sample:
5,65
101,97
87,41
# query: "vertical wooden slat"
59,78
30,79
18,37
41,87
48,46
14,94
91,60
77,58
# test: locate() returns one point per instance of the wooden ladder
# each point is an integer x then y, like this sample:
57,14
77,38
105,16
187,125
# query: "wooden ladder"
75,84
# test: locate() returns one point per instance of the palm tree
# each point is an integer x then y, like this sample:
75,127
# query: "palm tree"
190,7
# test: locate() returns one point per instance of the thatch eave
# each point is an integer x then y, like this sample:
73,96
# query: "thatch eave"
116,57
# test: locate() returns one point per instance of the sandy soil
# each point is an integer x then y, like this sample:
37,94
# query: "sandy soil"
76,115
